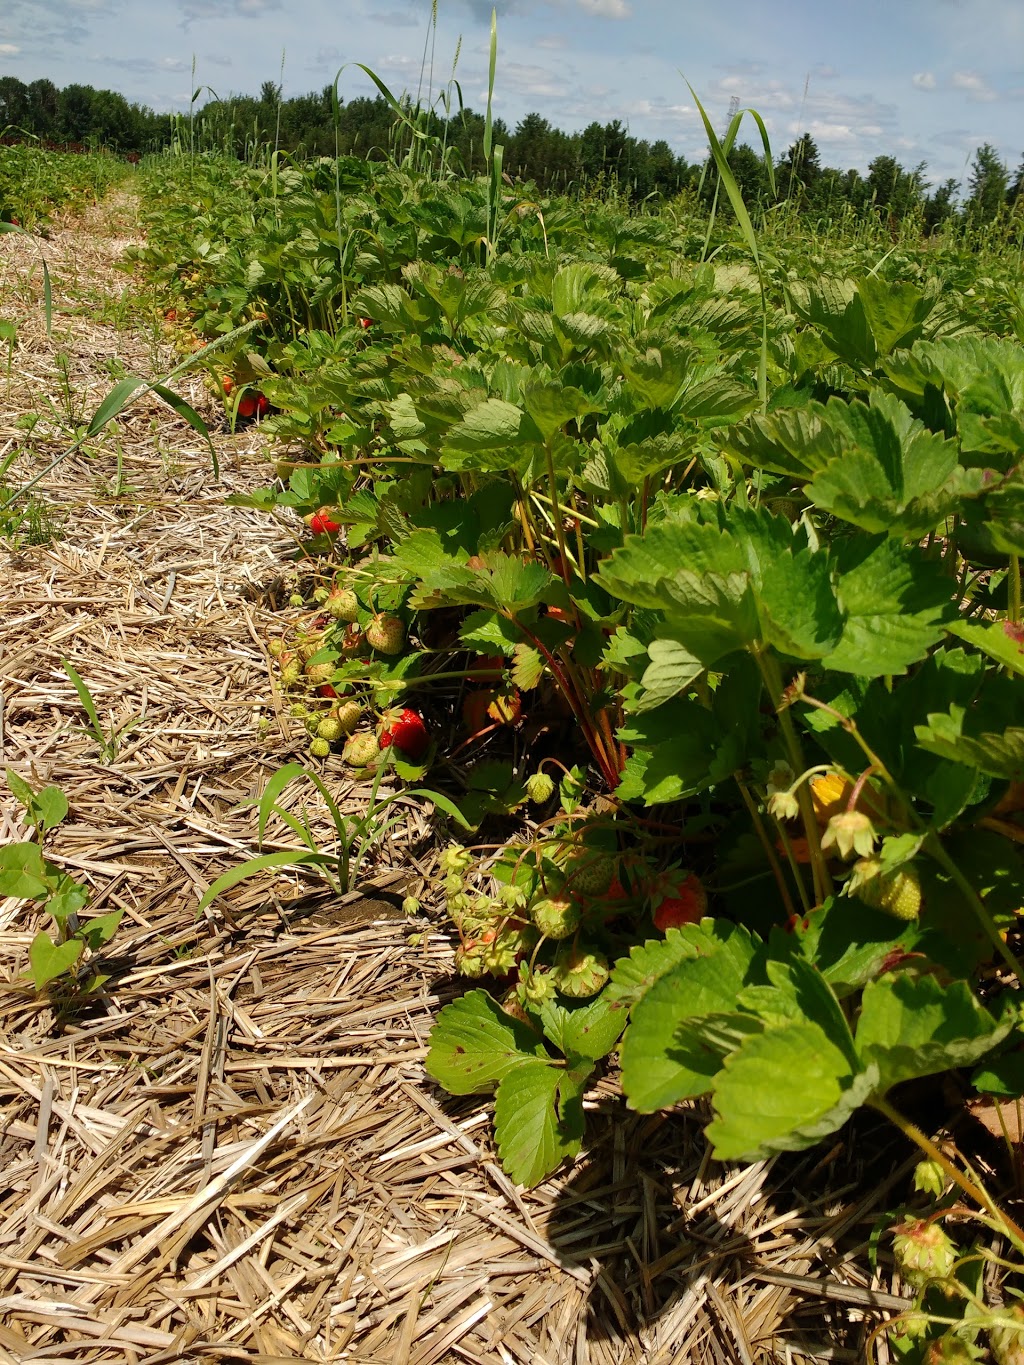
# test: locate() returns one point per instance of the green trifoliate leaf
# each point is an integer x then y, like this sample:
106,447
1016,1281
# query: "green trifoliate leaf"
958,735
671,670
897,604
914,1026
552,405
474,1043
538,1117
590,1030
784,1090
492,427
1001,641
634,975
657,1069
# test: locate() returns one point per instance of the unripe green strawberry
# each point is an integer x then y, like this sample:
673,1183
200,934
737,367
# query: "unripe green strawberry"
275,647
923,1252
386,634
348,716
579,973
361,750
1007,1343
590,873
298,710
319,748
342,604
330,729
291,671
949,1350
514,1006
540,788
556,916
296,600
790,508
897,893
319,673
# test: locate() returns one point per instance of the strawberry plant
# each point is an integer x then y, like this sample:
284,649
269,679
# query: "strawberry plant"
697,563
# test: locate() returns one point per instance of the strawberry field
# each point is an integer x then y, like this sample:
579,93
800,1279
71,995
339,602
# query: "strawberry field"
669,571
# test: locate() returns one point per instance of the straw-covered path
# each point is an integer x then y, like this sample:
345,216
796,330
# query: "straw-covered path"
232,1152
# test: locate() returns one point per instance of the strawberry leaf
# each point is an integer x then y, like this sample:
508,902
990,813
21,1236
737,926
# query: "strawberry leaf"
656,1071
783,1090
897,604
538,1117
916,1027
474,1043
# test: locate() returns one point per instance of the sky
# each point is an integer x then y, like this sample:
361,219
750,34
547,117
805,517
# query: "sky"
921,80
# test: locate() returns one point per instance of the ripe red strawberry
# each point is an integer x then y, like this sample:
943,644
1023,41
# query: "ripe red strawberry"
406,732
326,690
227,383
246,406
319,523
677,898
171,314
365,323
262,404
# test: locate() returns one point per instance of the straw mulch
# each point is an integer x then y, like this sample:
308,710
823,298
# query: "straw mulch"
233,1152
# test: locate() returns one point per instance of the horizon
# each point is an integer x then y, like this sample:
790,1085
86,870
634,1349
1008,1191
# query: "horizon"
575,62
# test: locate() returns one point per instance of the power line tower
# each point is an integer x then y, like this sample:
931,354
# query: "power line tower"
734,105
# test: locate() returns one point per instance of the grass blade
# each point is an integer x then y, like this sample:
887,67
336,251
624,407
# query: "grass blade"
286,858
87,702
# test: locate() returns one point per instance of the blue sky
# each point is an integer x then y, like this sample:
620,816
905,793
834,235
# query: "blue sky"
923,80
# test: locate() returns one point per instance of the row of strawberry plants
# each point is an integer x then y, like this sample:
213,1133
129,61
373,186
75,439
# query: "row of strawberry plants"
36,184
728,687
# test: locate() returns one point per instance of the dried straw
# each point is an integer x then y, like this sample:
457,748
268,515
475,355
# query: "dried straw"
233,1152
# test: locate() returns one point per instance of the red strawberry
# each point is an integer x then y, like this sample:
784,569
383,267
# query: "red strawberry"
326,690
365,323
246,406
262,404
171,314
319,523
227,384
406,732
677,898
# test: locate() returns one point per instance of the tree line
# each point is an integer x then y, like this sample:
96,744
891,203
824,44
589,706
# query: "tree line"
600,158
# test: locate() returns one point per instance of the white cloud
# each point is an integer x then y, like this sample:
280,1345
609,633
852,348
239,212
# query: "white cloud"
9,49
976,86
607,9
925,80
553,42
